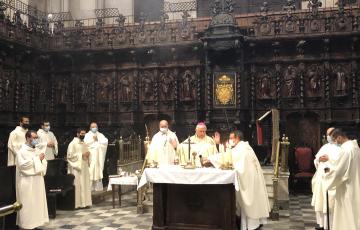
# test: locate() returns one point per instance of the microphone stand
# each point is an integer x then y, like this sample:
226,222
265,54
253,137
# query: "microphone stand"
327,209
327,203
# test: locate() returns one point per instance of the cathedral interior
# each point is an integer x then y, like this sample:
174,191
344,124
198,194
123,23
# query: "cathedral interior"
226,63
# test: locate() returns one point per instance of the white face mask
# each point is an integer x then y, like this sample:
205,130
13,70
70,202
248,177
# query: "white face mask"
329,140
163,130
232,143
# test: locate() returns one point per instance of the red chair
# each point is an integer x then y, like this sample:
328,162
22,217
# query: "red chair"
304,160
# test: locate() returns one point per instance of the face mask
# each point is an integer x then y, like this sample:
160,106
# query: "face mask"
94,130
46,128
81,137
25,126
34,142
163,130
232,143
329,140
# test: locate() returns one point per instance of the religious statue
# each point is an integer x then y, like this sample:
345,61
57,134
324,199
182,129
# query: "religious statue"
5,84
83,89
125,89
185,27
61,90
147,83
104,84
188,86
290,81
163,18
121,21
166,86
314,82
340,84
43,94
314,6
17,18
265,85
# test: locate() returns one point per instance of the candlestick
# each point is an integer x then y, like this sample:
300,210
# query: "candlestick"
189,147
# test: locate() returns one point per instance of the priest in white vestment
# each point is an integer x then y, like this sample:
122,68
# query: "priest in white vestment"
17,139
48,142
200,143
326,158
345,178
97,144
31,168
252,200
78,157
162,149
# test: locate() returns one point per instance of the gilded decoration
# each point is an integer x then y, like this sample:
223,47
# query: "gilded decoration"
224,90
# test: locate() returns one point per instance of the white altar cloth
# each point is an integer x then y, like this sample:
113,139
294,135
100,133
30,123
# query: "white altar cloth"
175,174
124,180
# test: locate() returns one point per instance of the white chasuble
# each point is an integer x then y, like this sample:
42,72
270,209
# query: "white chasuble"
252,202
318,188
161,149
44,139
16,140
79,167
31,188
345,178
204,147
97,150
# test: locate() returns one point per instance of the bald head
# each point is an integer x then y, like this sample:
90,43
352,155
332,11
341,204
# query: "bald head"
163,123
329,131
200,130
163,126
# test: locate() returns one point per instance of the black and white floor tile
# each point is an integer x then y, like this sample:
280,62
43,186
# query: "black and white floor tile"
300,216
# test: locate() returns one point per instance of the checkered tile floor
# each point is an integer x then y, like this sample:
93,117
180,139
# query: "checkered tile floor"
300,216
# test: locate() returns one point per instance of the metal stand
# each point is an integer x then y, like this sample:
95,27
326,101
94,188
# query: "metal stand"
327,210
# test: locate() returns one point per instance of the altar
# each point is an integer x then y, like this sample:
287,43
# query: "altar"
201,198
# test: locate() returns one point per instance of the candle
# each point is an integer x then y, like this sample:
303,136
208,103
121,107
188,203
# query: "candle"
230,156
189,148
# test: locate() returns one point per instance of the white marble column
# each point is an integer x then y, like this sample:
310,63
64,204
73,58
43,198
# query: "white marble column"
82,9
65,6
126,8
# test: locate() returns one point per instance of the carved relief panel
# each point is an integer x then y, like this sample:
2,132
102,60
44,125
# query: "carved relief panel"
7,84
104,86
289,86
265,85
187,86
147,86
125,87
340,81
313,82
167,85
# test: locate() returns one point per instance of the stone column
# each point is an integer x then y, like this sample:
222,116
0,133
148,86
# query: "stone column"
82,9
125,7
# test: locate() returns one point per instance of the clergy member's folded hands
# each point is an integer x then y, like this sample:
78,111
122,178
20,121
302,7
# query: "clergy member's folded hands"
86,155
50,144
41,156
324,158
